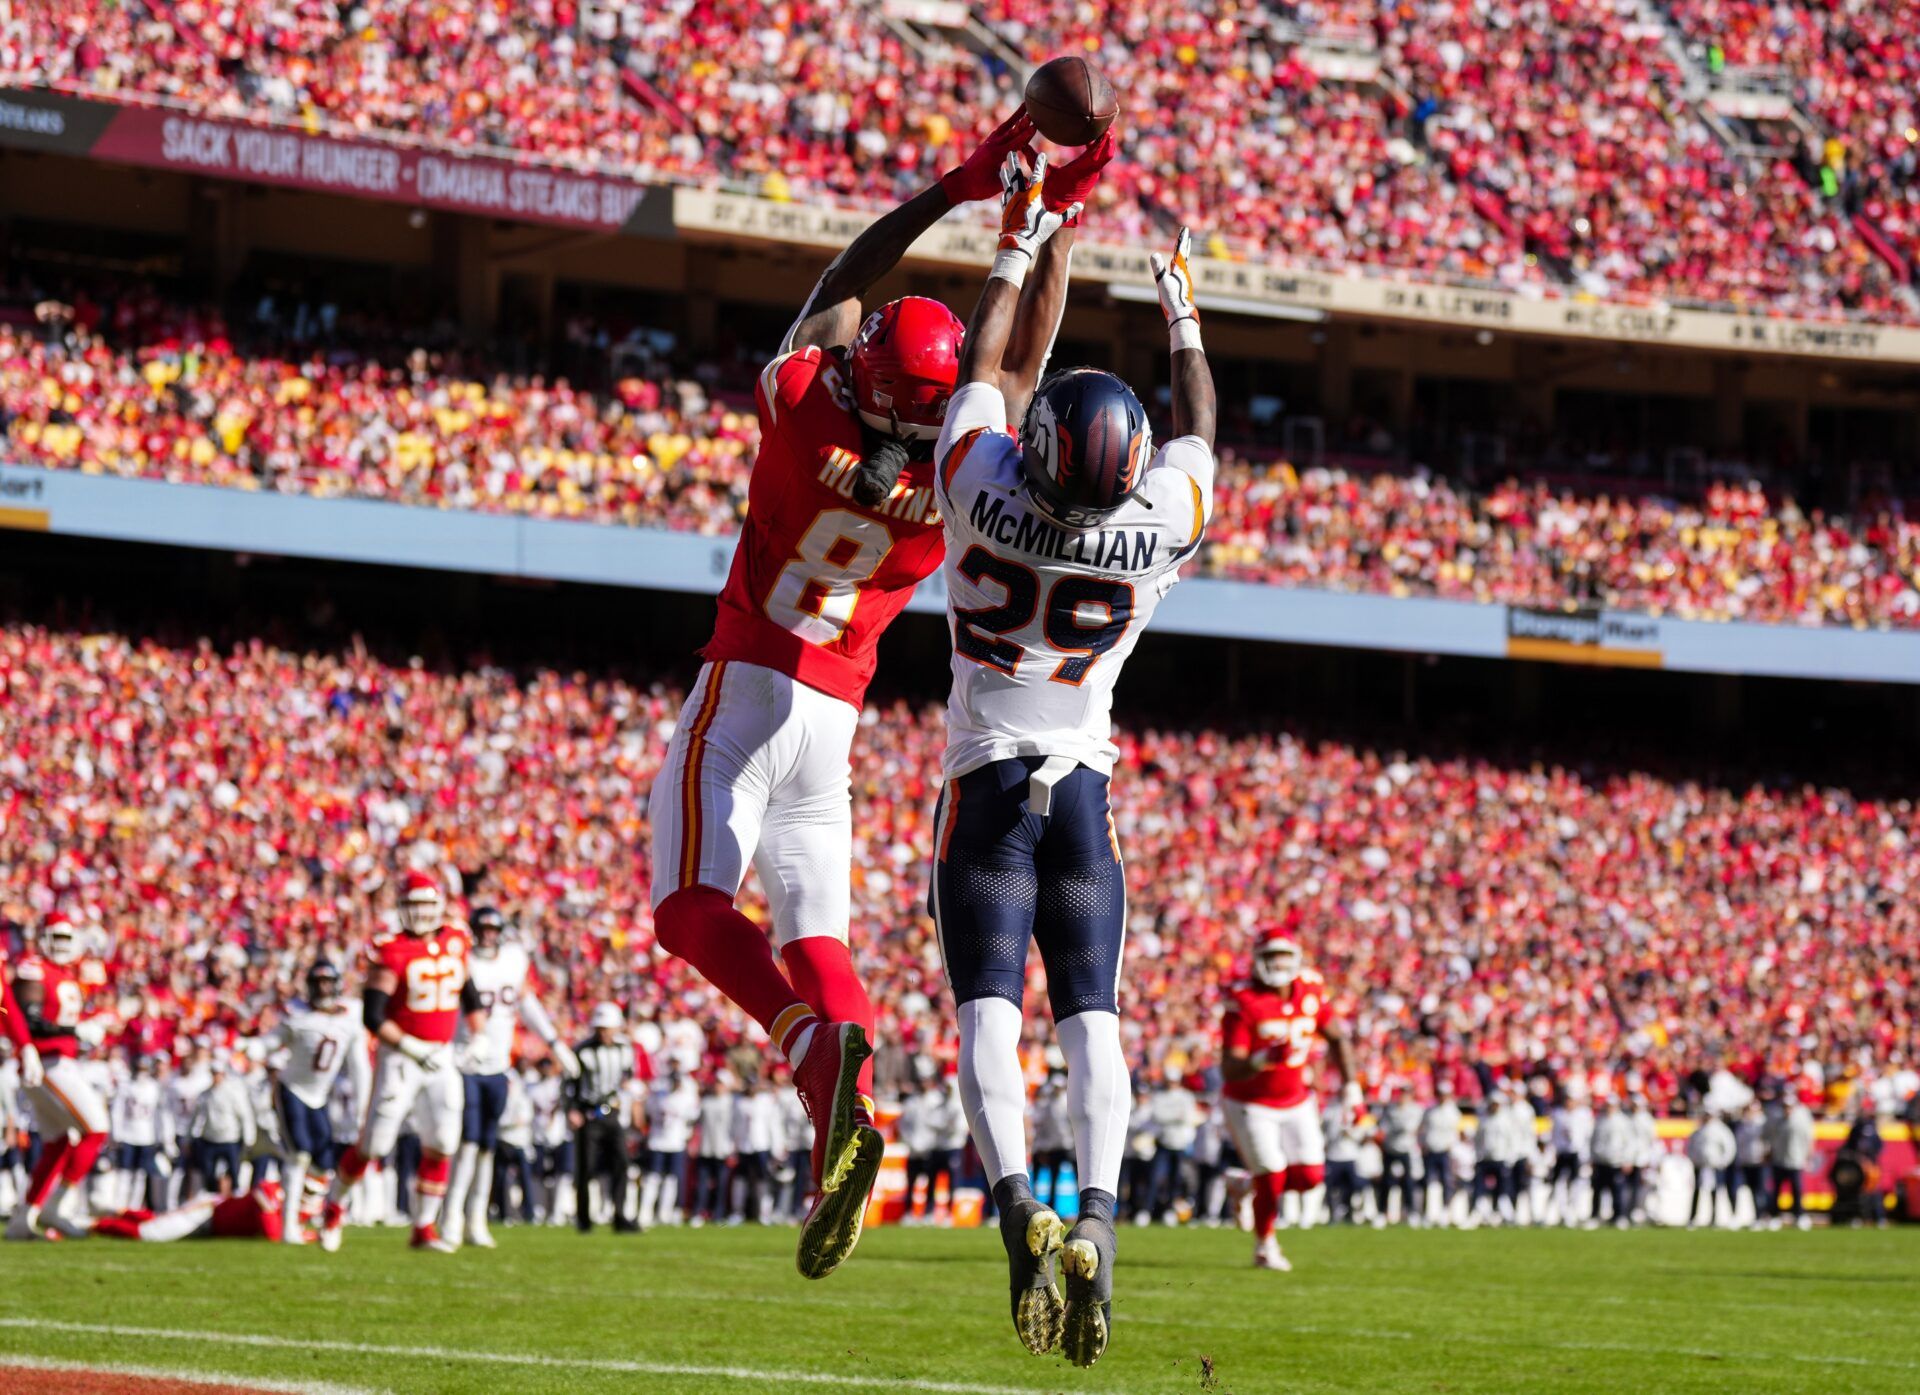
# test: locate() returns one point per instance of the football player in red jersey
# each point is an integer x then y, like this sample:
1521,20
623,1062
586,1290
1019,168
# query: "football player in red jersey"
1267,1042
257,1215
51,1005
416,992
841,526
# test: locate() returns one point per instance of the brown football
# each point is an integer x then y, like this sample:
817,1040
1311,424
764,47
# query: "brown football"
1070,101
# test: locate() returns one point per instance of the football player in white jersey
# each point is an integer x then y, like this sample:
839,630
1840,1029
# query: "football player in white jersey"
1059,546
320,1041
501,971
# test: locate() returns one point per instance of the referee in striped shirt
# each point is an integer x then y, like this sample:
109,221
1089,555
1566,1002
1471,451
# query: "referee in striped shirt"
594,1103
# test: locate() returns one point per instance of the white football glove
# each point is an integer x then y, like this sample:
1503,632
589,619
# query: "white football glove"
1353,1097
1174,280
426,1054
478,1058
93,1030
1025,220
568,1062
32,1073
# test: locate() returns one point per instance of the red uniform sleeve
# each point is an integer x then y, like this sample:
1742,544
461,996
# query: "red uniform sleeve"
1236,1038
783,386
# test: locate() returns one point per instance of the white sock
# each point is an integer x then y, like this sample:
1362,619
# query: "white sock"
178,1225
992,1089
295,1183
669,1198
460,1181
1099,1096
649,1195
482,1193
798,1051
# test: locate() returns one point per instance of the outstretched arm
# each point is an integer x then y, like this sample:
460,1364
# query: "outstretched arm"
1194,410
1026,223
831,315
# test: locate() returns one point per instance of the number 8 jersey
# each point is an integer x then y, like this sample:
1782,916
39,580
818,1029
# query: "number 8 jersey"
1045,616
817,577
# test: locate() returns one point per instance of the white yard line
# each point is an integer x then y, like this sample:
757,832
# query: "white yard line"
120,1368
747,1374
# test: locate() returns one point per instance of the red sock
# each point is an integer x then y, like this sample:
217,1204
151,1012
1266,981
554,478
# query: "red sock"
700,925
53,1157
353,1166
431,1179
81,1158
123,1227
1266,1203
821,968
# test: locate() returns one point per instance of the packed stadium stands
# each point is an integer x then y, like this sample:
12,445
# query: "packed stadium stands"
227,809
1561,145
136,385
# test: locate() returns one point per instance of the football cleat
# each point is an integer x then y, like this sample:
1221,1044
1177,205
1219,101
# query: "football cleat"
833,1224
25,1225
426,1237
1033,1234
480,1237
828,1082
333,1223
64,1228
1266,1255
1087,1258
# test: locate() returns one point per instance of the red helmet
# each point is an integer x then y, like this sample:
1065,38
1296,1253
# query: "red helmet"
423,906
906,360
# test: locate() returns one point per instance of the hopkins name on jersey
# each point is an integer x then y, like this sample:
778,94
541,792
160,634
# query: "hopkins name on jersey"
817,577
1045,616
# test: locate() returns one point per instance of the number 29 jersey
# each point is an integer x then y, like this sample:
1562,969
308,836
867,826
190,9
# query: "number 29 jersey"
817,577
431,969
1043,616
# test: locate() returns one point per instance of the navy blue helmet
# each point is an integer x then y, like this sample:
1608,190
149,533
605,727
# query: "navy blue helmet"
323,985
1085,444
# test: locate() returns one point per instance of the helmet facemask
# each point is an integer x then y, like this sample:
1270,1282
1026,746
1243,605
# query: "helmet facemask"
1276,964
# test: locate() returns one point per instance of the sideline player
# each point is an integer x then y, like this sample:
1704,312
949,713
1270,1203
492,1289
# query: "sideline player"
1059,547
417,990
1266,1042
260,1214
501,971
841,527
51,1004
320,1041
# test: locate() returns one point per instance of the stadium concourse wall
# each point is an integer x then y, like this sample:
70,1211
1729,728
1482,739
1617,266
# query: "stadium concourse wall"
526,190
392,534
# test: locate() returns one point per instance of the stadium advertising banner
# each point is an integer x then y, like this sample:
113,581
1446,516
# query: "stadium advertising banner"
370,531
163,138
705,212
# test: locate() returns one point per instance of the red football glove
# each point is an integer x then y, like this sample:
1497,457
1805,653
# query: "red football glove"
979,177
1073,182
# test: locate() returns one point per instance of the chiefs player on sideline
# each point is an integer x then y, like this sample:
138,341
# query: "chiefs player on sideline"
416,992
50,1002
841,526
1266,1042
502,974
260,1214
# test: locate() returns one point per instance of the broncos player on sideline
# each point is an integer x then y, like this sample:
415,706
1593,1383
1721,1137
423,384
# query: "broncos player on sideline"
840,527
1059,547
320,1040
501,972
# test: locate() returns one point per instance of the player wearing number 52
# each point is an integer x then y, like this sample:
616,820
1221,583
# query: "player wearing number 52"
1060,545
417,991
840,528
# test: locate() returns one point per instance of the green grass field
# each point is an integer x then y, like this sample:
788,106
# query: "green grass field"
1653,1312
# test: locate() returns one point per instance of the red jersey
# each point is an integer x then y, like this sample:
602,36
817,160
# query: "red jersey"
62,1002
255,1216
13,1022
817,577
1283,1023
432,969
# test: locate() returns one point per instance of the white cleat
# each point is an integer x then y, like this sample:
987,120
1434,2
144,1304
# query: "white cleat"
480,1237
25,1225
67,1228
1267,1256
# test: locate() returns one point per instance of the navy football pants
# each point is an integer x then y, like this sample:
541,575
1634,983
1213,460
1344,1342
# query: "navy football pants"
1003,876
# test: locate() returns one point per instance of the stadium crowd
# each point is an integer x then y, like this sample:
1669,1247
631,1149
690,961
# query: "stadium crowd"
1551,145
303,401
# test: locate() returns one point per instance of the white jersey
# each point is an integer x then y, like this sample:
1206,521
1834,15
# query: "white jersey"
671,1115
501,981
1044,617
139,1113
319,1045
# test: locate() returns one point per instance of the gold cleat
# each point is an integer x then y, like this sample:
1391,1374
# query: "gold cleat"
1089,1299
1039,1312
839,1213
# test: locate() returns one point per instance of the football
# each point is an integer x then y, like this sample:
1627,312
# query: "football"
1070,101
